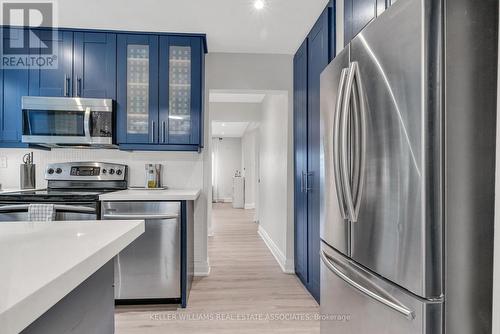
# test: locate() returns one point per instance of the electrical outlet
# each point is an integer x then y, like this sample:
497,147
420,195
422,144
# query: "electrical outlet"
3,162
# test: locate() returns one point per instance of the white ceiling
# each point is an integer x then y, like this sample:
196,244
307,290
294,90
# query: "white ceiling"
229,129
236,97
230,25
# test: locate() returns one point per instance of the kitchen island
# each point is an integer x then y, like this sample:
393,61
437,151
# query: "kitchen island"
57,277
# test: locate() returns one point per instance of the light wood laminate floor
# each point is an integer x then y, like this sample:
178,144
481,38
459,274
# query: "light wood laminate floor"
246,291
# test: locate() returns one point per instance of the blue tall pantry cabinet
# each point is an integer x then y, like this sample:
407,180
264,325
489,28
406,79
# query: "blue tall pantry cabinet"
300,156
312,57
309,61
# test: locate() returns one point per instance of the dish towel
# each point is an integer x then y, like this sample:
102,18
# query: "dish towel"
41,212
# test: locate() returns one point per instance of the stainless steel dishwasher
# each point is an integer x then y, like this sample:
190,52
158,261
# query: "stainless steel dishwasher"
150,267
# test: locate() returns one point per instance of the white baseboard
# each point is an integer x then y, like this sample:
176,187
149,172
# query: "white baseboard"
249,206
201,268
223,200
286,266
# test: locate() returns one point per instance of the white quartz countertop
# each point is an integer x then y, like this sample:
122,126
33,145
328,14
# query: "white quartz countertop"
152,195
40,263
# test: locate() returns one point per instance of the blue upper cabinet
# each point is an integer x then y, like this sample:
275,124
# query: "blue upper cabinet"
13,85
180,90
53,82
156,80
160,83
358,13
137,90
86,66
94,62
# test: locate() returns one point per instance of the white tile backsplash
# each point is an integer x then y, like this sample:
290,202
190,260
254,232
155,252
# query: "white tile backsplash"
180,169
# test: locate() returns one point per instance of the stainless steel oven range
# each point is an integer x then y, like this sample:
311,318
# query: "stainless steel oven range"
73,189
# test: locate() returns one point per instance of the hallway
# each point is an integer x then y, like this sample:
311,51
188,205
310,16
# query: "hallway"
245,288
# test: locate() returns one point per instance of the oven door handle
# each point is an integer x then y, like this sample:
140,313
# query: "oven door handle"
57,207
86,125
15,207
74,208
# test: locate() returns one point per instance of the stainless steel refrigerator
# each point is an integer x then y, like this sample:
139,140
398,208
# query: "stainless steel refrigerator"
408,120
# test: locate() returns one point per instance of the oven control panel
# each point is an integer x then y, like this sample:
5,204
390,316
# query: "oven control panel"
86,171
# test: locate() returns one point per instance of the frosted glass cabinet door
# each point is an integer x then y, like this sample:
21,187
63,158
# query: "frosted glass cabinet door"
137,95
180,90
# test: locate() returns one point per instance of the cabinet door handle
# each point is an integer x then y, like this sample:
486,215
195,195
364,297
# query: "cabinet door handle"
153,126
302,182
307,175
163,132
79,87
66,85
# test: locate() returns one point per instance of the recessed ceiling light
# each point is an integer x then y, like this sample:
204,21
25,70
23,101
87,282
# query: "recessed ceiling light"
223,124
259,4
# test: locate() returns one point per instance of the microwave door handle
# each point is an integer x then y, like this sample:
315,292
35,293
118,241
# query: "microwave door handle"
336,142
344,144
86,122
361,126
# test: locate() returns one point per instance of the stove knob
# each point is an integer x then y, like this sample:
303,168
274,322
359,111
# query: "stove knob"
111,171
50,171
58,171
119,172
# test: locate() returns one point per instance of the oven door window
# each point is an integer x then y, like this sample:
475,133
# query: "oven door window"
53,123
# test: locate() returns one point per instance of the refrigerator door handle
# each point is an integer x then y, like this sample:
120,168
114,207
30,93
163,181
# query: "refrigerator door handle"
344,144
331,265
360,147
336,143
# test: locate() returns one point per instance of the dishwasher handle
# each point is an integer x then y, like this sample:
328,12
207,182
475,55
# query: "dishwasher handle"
140,216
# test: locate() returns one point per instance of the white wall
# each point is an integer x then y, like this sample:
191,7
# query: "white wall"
182,170
235,112
228,154
275,224
249,152
250,72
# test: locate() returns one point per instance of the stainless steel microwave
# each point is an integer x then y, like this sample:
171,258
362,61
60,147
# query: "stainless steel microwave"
64,121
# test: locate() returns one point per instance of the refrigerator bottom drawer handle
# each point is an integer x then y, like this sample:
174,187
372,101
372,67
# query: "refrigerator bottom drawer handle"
329,263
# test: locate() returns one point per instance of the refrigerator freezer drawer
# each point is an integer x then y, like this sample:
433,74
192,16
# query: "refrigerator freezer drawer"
355,301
